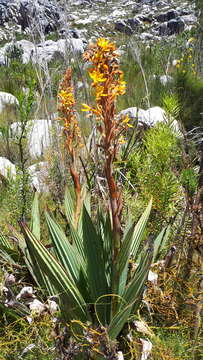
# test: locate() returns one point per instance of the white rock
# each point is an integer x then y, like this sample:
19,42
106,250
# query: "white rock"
146,349
39,134
52,306
120,355
44,51
26,292
7,99
150,117
165,79
142,327
7,169
134,113
37,307
152,277
154,115
38,173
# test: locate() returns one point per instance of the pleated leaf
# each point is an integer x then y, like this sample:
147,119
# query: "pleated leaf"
131,299
130,245
59,278
135,287
160,241
118,321
35,217
69,205
67,255
4,242
139,230
95,263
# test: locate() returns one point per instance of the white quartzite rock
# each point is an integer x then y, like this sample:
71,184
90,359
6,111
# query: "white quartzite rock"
7,99
39,134
38,172
45,51
7,168
149,117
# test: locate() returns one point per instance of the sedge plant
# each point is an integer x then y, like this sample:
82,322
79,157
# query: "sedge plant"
88,268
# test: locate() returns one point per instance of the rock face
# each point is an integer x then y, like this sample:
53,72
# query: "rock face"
39,133
7,99
7,169
24,12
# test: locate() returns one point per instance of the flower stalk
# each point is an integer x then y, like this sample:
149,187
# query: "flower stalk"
107,80
72,134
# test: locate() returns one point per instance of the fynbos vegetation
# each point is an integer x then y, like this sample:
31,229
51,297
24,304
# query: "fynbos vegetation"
101,228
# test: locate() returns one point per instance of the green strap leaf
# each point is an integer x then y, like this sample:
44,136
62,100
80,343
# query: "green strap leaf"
130,245
58,277
93,247
67,255
35,217
160,241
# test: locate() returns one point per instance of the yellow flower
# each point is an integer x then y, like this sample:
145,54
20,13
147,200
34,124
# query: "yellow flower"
91,109
105,45
191,40
121,140
96,76
66,98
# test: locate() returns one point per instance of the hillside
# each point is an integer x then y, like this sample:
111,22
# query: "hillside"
101,179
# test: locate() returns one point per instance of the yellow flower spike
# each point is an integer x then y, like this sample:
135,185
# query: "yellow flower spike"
66,105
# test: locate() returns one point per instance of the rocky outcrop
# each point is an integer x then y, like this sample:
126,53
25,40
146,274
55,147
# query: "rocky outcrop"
43,13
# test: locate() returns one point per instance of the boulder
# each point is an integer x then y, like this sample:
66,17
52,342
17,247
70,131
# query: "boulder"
39,133
171,14
128,26
123,27
45,51
7,169
38,173
149,117
7,99
134,113
165,79
173,26
154,115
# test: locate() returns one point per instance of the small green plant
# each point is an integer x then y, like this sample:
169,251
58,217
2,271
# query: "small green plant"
151,170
